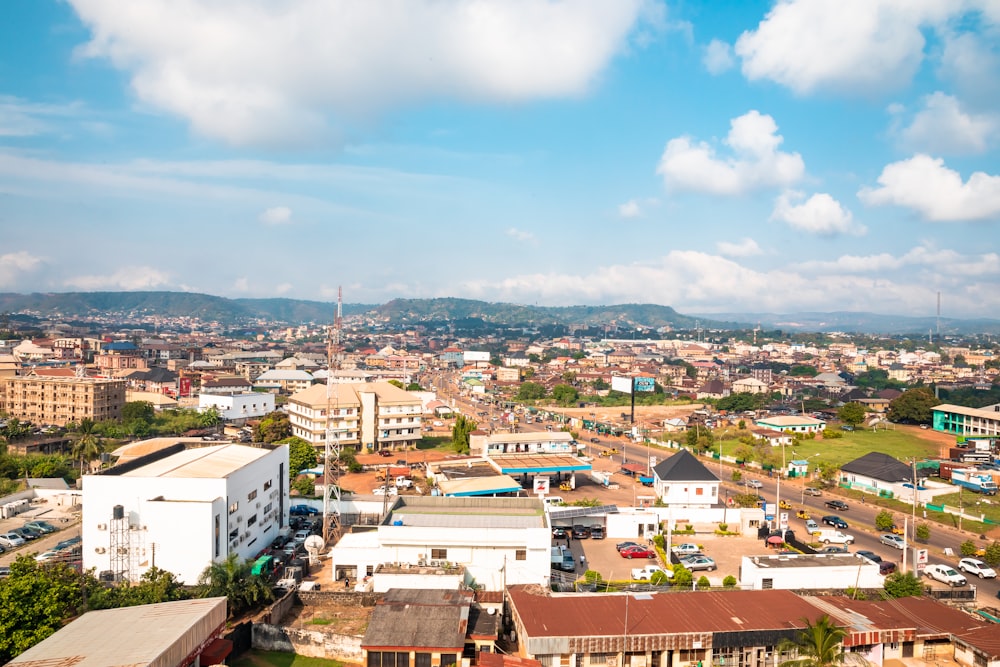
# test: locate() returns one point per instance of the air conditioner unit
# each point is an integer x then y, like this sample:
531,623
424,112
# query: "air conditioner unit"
100,550
102,526
258,505
239,519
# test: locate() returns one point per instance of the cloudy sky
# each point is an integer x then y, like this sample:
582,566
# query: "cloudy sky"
708,155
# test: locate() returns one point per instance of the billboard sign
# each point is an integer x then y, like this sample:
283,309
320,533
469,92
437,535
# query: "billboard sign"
645,384
475,356
621,383
540,486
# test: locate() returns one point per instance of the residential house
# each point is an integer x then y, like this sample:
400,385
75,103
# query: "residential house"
683,480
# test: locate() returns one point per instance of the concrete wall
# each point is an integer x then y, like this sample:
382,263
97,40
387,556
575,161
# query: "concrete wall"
311,643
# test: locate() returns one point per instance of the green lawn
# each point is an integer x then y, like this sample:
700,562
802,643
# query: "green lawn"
277,659
838,451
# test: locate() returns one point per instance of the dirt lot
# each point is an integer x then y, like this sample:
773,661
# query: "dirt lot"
644,414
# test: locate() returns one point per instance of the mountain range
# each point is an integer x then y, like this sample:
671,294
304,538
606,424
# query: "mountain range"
125,306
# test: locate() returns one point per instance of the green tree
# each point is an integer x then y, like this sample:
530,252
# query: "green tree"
884,520
210,418
397,383
460,433
301,455
530,391
564,394
803,370
305,485
819,644
851,413
703,583
233,579
682,577
35,600
414,386
967,548
993,554
273,427
901,585
87,446
913,405
923,532
138,410
729,581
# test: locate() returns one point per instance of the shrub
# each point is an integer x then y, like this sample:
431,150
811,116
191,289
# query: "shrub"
704,583
724,527
923,532
884,520
729,581
968,548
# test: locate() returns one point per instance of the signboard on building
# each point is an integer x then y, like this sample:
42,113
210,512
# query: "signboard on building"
645,384
541,486
919,559
472,356
621,383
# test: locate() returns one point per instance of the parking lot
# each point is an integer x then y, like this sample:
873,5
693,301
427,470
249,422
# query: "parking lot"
66,521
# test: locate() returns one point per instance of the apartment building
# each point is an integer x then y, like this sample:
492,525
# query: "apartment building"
366,417
61,400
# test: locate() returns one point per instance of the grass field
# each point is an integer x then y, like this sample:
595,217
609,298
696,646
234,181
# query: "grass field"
838,451
277,659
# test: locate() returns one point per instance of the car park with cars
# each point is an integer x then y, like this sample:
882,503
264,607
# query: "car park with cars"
626,545
838,505
945,574
977,567
835,521
10,540
698,562
43,527
893,541
581,532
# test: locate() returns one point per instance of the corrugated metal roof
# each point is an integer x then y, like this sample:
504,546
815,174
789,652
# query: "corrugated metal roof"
479,486
528,463
212,462
158,635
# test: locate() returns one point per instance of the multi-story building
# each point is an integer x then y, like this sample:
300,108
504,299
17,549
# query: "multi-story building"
120,355
373,416
961,420
184,510
238,406
61,400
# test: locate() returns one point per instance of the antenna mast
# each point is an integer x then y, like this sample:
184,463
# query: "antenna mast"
331,454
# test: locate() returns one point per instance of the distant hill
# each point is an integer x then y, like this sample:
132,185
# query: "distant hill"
861,322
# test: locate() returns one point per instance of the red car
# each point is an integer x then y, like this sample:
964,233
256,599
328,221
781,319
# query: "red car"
637,551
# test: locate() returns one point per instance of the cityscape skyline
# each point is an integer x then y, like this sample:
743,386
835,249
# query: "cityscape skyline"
775,157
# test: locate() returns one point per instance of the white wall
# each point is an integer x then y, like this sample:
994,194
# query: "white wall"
688,493
248,405
854,572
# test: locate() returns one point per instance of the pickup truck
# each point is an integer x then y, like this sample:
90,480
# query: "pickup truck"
646,573
833,537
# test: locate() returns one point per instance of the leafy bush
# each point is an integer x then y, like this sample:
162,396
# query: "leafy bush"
729,581
884,520
682,577
703,583
968,548
923,532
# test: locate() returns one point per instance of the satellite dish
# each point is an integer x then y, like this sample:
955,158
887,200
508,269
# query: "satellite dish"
313,544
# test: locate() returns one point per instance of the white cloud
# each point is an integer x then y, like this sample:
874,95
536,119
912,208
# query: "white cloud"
865,46
520,234
283,288
717,57
126,278
690,280
935,261
284,71
943,127
19,118
937,193
971,62
276,215
14,264
241,285
756,161
819,214
629,209
745,248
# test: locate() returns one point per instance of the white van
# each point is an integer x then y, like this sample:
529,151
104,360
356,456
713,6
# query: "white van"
554,500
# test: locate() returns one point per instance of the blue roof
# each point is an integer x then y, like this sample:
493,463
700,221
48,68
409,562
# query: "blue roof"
120,345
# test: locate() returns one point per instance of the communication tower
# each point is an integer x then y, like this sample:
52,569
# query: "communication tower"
331,454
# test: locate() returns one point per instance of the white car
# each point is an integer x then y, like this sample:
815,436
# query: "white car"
686,548
754,484
977,567
893,541
945,574
381,491
836,537
11,540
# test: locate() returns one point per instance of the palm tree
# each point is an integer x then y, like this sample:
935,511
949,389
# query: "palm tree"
87,446
234,580
817,645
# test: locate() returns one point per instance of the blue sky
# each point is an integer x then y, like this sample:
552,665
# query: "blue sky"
811,155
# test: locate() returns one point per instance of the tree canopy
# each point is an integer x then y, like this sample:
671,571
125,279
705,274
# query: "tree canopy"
530,391
851,413
913,405
273,427
819,644
301,455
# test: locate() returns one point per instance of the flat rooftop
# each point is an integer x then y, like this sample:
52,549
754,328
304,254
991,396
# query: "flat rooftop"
440,512
512,464
790,561
211,462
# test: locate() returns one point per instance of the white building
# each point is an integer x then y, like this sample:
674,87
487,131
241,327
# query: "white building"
792,423
809,572
241,406
534,442
436,542
184,510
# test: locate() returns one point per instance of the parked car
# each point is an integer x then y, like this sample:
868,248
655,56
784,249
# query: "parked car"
11,540
580,532
835,537
698,562
597,532
41,526
869,555
835,521
559,533
637,551
838,505
893,541
977,567
812,491
626,545
886,567
384,452
945,574
302,510
685,548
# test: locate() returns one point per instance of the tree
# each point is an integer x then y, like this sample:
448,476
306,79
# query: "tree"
851,413
460,433
923,532
138,410
414,386
682,577
35,600
87,446
397,383
564,394
301,455
819,644
273,427
233,579
209,418
884,520
913,405
530,391
900,585
992,556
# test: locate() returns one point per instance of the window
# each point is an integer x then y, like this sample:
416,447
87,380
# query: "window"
521,554
267,484
439,554
233,507
448,659
252,520
267,507
251,495
767,584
